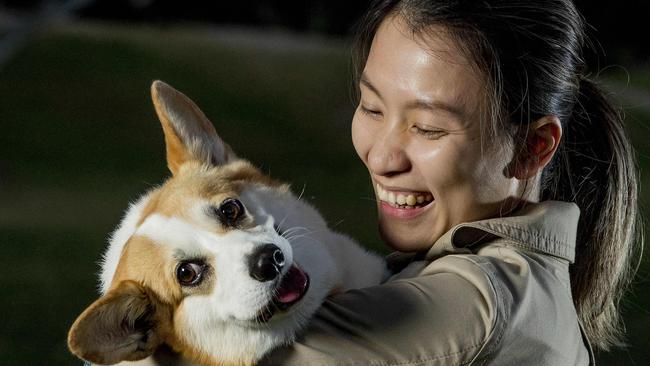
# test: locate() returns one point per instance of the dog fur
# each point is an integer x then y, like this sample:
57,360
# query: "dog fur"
146,317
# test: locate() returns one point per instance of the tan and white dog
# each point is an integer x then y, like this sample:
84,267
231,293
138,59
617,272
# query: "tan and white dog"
218,265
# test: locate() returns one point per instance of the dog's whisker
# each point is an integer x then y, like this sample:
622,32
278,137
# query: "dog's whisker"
284,219
307,231
309,238
298,236
302,192
298,227
304,186
295,231
288,232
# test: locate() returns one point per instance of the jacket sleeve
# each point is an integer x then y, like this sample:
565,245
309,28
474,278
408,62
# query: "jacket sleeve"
445,316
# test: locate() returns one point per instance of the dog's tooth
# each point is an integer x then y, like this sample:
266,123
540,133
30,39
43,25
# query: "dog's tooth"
410,200
429,197
391,197
420,199
401,199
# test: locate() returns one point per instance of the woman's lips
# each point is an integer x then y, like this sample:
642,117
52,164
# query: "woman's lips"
401,213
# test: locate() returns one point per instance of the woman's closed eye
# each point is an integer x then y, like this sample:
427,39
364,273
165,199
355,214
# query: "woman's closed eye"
428,132
371,112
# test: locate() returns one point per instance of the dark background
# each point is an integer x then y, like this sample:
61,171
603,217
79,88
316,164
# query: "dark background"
79,138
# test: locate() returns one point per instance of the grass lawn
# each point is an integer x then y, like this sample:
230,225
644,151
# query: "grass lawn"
80,139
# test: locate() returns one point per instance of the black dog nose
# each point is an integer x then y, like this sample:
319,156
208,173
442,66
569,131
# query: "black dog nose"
265,263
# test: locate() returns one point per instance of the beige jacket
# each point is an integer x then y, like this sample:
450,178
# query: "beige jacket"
489,292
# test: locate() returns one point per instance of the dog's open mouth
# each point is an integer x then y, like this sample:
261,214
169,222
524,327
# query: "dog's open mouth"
290,290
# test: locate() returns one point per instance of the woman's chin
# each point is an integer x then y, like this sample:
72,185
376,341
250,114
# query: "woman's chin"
404,239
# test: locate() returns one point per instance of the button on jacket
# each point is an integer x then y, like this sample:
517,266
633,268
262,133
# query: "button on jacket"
491,292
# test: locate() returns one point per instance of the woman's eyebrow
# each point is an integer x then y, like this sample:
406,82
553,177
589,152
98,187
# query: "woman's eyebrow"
436,106
422,104
365,82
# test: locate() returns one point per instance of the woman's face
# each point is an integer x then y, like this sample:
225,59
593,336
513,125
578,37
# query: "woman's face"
418,130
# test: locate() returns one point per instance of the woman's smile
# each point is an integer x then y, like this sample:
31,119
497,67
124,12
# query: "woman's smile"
402,203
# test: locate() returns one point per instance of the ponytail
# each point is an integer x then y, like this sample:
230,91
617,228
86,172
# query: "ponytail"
595,168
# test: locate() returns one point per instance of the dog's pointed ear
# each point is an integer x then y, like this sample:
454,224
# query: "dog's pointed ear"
126,324
189,135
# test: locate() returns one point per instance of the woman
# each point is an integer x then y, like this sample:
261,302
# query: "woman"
504,179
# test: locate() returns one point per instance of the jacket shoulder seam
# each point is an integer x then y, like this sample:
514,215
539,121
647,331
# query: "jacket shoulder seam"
557,243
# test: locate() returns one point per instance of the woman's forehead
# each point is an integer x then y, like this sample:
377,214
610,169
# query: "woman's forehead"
402,65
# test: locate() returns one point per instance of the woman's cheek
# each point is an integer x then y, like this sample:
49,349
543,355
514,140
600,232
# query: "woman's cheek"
441,165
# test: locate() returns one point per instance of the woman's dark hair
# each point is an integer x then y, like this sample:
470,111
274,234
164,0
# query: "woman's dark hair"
530,55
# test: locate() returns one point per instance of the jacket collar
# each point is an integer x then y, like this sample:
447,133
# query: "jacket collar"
549,227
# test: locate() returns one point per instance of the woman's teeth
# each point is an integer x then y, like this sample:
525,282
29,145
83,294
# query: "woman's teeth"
407,200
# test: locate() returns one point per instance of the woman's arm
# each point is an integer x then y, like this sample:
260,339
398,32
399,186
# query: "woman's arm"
439,318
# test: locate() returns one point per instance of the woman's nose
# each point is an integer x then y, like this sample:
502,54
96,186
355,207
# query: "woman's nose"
387,156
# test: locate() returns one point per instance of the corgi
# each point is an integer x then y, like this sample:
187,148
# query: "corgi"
218,265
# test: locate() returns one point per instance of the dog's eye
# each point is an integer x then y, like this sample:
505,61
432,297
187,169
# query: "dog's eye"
189,273
230,211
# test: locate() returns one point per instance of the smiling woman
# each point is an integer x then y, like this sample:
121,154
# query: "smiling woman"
506,182
416,130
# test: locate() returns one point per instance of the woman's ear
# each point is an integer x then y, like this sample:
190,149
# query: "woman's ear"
541,140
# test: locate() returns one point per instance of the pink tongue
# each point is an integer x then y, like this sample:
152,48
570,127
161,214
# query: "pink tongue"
293,286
